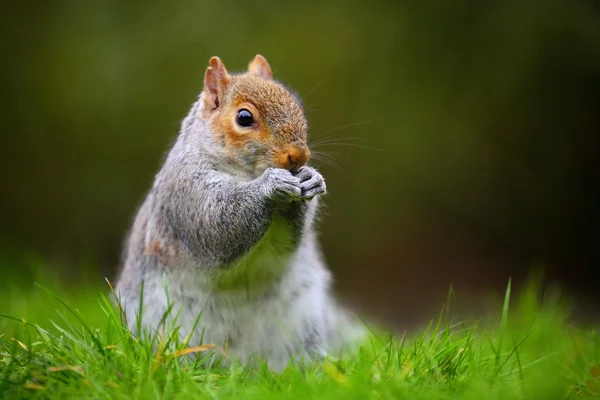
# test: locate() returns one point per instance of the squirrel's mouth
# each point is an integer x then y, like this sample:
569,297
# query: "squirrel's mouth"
291,157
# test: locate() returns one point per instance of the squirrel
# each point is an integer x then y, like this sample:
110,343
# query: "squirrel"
229,224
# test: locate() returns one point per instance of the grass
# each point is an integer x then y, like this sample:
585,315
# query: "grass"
75,346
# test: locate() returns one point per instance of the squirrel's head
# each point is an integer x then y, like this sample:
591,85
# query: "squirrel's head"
255,120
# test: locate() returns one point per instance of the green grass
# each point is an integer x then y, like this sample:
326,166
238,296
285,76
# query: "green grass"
75,346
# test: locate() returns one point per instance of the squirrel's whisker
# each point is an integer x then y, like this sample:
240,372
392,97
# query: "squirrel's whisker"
349,145
329,160
315,88
329,155
334,140
343,127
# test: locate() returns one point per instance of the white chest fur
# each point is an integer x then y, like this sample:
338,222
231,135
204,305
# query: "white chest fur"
266,262
259,306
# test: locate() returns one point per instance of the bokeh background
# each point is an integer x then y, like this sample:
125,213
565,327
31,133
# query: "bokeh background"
464,134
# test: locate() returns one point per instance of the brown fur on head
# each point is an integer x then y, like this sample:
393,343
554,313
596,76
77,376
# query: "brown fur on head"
276,136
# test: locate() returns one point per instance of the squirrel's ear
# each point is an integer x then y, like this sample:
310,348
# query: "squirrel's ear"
260,67
216,81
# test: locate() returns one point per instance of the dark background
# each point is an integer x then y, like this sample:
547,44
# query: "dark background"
465,133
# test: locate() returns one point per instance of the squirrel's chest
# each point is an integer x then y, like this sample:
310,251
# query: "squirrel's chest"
264,263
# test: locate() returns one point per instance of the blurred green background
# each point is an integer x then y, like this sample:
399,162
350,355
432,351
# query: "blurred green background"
465,133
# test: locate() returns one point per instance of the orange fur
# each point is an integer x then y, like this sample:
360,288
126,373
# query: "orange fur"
153,248
168,255
280,125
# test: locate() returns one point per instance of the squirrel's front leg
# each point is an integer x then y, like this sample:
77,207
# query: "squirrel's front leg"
219,219
311,183
299,210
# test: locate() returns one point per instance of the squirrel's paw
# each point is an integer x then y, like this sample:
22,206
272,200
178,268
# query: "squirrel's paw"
312,182
280,184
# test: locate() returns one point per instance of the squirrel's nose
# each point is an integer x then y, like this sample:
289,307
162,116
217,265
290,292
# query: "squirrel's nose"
293,158
293,161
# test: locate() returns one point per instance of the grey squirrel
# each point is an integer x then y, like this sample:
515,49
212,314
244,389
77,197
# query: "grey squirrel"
229,223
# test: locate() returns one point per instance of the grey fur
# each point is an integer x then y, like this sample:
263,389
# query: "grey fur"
240,249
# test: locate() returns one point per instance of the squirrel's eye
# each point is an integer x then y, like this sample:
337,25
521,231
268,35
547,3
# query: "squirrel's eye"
244,118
